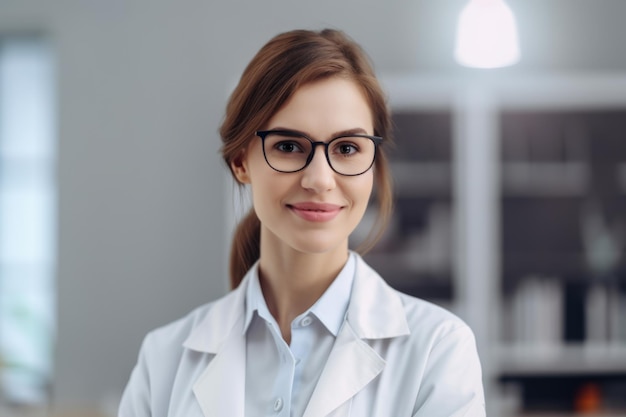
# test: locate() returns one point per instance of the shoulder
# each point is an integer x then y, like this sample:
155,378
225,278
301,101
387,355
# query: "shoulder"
172,336
191,330
443,352
433,325
425,314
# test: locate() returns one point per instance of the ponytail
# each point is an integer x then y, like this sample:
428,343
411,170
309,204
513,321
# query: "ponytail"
246,247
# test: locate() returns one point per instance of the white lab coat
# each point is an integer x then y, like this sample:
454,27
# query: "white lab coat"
395,356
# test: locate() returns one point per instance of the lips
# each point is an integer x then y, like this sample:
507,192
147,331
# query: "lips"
315,212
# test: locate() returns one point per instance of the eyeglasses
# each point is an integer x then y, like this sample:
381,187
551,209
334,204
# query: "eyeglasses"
288,151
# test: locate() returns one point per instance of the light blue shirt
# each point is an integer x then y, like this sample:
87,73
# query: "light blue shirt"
280,378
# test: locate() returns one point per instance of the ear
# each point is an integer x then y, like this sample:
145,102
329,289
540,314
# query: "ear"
240,169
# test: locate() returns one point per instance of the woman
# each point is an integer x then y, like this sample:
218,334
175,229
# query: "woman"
309,329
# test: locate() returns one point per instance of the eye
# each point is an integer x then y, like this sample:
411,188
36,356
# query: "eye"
346,148
288,146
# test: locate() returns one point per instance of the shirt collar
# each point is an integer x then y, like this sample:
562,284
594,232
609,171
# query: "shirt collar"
330,308
255,300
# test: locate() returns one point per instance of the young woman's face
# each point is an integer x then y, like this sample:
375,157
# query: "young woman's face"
313,210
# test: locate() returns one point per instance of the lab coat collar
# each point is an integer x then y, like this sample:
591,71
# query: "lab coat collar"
376,311
209,335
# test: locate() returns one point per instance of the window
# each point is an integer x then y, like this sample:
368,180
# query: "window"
27,219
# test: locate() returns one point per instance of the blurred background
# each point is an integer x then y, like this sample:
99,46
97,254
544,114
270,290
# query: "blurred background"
116,209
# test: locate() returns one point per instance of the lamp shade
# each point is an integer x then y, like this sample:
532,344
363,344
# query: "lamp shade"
487,35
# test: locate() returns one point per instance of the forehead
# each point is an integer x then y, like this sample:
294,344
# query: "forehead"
324,107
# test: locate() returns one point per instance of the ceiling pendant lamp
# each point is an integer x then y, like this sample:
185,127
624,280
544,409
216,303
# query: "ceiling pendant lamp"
487,35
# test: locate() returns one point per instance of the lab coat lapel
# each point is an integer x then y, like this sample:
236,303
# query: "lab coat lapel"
220,388
352,364
375,312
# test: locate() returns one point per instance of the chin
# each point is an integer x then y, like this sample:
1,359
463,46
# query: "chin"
318,246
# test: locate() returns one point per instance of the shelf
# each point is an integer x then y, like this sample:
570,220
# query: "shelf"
548,263
545,179
426,283
416,179
569,267
532,360
518,179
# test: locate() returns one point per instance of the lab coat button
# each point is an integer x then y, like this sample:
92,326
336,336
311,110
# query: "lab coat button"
278,404
306,321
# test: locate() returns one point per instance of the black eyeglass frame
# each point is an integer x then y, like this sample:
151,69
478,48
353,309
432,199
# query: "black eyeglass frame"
263,134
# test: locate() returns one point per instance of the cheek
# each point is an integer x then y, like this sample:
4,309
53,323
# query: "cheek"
361,190
267,188
368,182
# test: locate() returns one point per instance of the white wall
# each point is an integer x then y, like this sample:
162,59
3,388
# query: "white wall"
142,86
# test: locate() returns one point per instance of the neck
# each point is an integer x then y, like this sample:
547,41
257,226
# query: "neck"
293,281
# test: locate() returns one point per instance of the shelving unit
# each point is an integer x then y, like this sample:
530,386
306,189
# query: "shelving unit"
531,175
533,360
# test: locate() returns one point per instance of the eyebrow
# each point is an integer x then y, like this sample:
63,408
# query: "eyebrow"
348,132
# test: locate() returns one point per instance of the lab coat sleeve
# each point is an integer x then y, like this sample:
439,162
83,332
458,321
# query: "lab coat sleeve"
452,382
135,400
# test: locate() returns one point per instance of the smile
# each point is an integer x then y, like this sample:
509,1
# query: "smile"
315,212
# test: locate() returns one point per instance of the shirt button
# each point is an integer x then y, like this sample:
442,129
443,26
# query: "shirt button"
278,404
306,321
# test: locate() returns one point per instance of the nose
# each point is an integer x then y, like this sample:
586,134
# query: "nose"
318,176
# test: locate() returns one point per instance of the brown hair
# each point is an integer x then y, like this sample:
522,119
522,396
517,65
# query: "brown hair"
284,64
